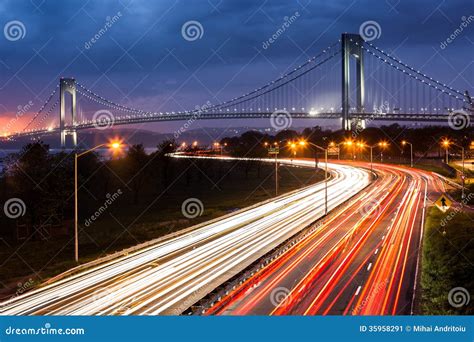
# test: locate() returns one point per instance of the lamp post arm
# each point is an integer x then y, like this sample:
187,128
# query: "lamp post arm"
317,146
90,150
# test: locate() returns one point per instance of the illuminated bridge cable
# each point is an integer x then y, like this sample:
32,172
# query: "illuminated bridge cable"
41,109
243,98
423,78
104,101
284,83
412,69
247,96
414,93
46,115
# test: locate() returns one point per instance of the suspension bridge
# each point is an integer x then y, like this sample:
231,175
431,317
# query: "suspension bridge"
352,81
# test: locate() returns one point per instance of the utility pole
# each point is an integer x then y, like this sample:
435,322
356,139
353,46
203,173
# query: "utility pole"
404,142
276,174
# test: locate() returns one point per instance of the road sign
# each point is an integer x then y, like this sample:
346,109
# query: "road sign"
443,203
333,151
273,150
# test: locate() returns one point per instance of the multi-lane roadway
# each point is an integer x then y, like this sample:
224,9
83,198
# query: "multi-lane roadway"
363,259
166,278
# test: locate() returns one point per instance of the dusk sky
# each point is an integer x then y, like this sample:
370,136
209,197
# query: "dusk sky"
144,62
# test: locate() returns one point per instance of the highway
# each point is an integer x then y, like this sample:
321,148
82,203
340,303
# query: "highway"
362,260
468,164
166,278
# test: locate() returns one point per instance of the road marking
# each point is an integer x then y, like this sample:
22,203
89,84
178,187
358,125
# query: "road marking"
383,237
358,290
368,268
376,251
412,309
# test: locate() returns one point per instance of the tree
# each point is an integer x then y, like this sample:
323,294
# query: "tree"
161,161
136,162
42,181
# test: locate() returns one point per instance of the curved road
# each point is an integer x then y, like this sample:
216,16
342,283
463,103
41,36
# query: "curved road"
363,260
168,277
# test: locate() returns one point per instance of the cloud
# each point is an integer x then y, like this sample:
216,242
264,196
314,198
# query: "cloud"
142,58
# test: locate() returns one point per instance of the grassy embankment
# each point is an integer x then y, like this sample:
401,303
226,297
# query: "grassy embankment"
447,261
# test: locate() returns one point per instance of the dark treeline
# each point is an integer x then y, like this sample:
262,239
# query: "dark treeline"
129,185
425,140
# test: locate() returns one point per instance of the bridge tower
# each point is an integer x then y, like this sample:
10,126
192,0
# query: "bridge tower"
67,86
351,45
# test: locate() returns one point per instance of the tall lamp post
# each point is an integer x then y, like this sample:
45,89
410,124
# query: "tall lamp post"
351,144
303,143
404,142
114,146
462,158
446,144
220,146
383,145
292,145
371,156
371,147
275,151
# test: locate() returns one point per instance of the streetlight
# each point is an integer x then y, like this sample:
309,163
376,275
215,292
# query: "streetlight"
274,150
404,142
371,147
382,144
292,145
114,146
219,146
361,145
351,144
303,143
463,174
445,143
